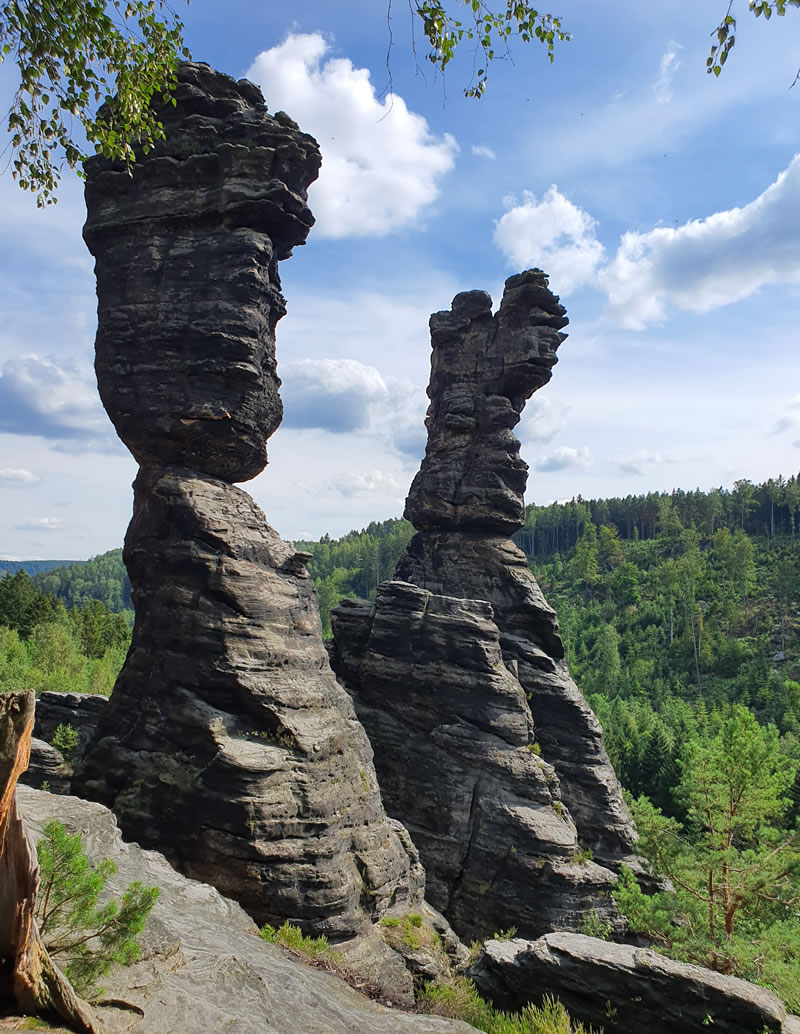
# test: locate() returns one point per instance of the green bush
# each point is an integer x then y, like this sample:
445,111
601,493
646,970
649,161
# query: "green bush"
65,739
458,999
86,938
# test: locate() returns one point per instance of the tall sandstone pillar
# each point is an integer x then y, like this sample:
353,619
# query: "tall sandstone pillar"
228,743
485,748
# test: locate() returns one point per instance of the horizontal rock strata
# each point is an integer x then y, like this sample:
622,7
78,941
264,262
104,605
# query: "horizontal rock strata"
484,746
203,966
457,760
227,743
626,990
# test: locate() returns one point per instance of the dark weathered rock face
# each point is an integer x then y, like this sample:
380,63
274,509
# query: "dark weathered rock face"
626,990
47,769
227,743
456,758
485,748
187,254
203,966
82,711
483,370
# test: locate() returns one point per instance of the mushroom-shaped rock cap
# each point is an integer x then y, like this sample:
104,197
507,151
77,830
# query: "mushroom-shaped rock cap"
187,250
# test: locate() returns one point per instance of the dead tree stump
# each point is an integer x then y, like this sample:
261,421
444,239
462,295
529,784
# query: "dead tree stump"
30,982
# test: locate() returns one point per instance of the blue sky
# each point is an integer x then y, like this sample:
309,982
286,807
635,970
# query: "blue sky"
664,203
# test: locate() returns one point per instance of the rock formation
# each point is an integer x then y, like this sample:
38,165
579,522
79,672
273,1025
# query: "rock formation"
203,966
485,748
227,743
626,990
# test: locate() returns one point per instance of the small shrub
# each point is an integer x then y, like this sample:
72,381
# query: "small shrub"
583,854
458,999
65,739
534,748
593,925
85,938
389,921
558,808
505,935
311,949
414,919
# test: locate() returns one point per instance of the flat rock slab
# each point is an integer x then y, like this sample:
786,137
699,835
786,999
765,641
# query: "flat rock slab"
626,990
204,969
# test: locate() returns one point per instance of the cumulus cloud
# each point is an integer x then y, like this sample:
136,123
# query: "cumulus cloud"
39,397
543,420
381,163
554,234
638,464
707,263
343,395
17,476
667,69
42,524
349,484
330,394
699,266
482,151
564,458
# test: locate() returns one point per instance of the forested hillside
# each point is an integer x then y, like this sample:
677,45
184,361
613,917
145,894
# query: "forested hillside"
102,578
45,646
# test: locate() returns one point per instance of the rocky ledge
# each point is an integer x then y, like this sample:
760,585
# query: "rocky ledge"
203,965
626,990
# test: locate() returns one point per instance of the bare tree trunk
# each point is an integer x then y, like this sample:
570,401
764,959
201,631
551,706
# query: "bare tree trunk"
27,973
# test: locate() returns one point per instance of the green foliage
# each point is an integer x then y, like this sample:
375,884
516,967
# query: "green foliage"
85,937
65,739
725,33
311,949
490,30
355,564
593,925
735,867
102,578
44,646
72,54
458,999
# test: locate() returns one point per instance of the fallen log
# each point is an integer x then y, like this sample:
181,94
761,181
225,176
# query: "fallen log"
30,982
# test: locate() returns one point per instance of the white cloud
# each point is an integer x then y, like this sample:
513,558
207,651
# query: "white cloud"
669,65
639,464
17,475
331,394
482,151
564,458
554,234
344,395
58,403
707,263
381,163
42,524
349,484
699,266
789,419
543,420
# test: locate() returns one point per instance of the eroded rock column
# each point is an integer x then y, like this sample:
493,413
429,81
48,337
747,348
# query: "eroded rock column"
485,748
228,743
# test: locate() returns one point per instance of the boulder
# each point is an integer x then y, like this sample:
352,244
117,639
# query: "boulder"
203,966
626,990
47,769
